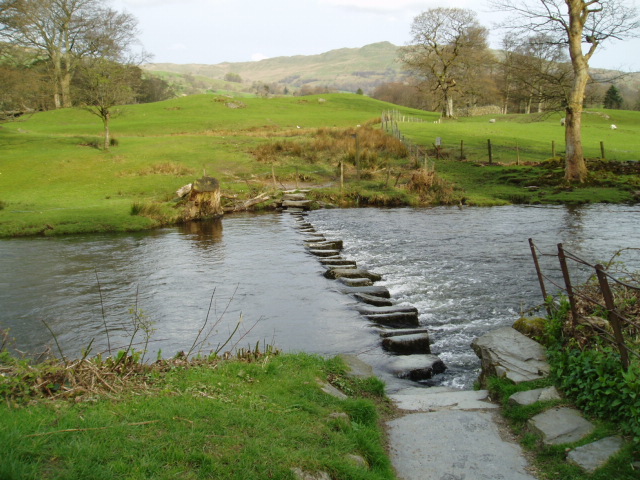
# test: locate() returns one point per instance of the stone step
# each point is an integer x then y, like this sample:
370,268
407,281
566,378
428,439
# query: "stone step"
417,343
378,291
416,367
326,245
386,333
561,425
303,204
397,320
530,397
373,300
294,196
337,262
355,282
371,310
324,253
350,273
438,398
594,455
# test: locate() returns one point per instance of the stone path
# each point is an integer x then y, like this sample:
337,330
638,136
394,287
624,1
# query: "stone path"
446,434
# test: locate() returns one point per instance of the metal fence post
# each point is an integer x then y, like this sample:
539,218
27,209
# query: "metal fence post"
540,277
614,319
567,281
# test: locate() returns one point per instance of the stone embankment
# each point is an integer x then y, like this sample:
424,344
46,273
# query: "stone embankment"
447,434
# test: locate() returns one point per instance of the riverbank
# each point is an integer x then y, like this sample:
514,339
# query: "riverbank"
54,181
264,416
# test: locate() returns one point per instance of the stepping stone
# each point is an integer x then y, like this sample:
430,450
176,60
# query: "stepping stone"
402,331
296,211
335,244
324,253
532,396
294,196
337,262
407,344
561,425
507,353
355,282
303,204
434,398
594,455
314,238
396,320
304,225
416,367
371,310
350,273
373,300
378,291
308,230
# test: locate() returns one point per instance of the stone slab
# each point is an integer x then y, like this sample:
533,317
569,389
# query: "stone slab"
396,319
355,282
351,273
357,368
594,455
407,344
324,253
530,397
372,300
453,445
452,400
416,367
561,425
371,310
505,352
378,291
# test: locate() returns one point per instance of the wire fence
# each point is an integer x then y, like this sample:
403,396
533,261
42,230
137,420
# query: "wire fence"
608,304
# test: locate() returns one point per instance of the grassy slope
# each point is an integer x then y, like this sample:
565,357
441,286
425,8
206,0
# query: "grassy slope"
52,182
49,178
227,420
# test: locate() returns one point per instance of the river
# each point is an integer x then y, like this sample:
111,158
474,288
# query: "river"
467,271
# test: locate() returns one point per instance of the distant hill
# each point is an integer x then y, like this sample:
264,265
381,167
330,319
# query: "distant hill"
345,69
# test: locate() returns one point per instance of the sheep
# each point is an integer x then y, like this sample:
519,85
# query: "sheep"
613,127
563,121
493,120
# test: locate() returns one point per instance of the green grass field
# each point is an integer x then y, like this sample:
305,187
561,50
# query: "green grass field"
53,180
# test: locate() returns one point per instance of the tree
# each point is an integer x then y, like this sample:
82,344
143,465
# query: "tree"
446,44
65,32
612,98
574,24
103,85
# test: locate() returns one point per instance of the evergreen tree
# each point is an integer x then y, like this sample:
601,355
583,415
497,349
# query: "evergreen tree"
612,98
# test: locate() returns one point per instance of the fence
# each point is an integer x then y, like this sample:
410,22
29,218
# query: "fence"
607,296
418,154
488,150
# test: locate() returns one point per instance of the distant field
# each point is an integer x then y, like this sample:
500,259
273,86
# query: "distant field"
54,180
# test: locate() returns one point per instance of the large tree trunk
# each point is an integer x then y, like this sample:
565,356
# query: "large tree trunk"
575,166
448,105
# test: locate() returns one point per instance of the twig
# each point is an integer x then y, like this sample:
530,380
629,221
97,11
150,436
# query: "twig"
104,318
55,339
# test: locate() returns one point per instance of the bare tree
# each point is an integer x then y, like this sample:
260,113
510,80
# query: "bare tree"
581,26
65,32
103,86
445,43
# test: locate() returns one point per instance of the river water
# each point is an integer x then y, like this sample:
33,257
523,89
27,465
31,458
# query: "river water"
466,270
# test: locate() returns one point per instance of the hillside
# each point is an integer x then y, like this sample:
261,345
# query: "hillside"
345,69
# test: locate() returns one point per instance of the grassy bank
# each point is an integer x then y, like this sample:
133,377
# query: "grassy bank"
216,419
53,179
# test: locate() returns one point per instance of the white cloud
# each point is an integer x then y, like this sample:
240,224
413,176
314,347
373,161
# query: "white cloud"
256,57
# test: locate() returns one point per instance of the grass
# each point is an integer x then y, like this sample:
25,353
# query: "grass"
222,419
53,180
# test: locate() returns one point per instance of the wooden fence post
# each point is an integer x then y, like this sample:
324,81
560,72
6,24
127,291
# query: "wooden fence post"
553,149
602,156
614,319
567,281
461,149
540,277
490,151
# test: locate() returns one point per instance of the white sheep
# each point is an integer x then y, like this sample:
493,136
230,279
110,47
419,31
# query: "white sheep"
613,127
493,120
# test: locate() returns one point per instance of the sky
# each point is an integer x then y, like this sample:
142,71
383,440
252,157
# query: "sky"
217,31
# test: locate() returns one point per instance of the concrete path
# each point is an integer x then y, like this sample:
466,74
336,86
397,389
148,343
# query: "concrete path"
449,434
